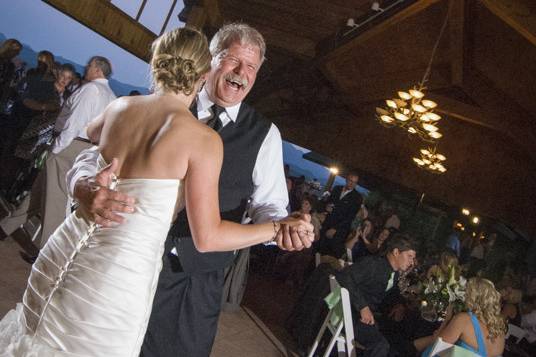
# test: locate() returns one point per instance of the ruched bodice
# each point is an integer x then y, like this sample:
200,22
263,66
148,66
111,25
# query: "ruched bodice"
90,291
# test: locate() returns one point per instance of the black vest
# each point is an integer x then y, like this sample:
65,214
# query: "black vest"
242,141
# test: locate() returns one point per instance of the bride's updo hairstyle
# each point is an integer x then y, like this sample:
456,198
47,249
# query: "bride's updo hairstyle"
179,58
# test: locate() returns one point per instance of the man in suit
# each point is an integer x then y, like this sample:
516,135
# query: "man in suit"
188,297
336,227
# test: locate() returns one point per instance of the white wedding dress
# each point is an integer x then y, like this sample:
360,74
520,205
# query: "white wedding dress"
91,289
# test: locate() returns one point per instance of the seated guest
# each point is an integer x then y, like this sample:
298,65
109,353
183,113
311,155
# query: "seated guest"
375,244
511,298
481,330
447,262
368,280
355,242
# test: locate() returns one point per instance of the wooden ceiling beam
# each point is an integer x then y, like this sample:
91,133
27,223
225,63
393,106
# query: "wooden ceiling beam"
260,14
457,42
519,14
212,9
409,11
110,22
197,17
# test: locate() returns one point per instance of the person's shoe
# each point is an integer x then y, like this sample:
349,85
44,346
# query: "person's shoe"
27,258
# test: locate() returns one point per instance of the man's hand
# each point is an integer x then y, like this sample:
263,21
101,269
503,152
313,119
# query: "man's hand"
330,233
99,203
366,316
295,233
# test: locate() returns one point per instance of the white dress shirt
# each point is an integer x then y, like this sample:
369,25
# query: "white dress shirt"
270,197
79,110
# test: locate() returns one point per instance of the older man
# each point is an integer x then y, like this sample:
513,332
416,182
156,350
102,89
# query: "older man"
82,106
188,298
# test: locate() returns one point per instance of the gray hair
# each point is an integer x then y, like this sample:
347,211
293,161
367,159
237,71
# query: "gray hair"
237,32
104,64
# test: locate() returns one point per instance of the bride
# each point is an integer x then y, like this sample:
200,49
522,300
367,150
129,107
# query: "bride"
90,291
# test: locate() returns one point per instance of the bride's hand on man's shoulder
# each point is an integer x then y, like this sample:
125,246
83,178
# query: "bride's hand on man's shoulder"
295,232
98,202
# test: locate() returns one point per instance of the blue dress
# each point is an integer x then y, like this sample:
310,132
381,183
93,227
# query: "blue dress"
481,351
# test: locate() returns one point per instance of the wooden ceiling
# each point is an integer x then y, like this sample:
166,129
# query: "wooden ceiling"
321,88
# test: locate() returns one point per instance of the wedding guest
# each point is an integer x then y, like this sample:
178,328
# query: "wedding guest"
356,242
81,107
37,137
368,280
481,330
8,51
38,98
336,227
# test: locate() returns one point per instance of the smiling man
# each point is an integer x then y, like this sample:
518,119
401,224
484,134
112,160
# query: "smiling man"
187,303
368,280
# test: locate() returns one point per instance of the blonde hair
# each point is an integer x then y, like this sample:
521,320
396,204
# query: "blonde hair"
179,58
449,260
484,301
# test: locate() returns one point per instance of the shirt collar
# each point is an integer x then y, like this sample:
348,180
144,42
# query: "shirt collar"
101,80
204,104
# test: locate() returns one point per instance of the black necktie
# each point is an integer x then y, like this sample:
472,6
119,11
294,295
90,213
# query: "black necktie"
215,122
193,107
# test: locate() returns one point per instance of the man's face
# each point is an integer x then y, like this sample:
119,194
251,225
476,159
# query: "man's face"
233,73
404,260
64,78
92,71
14,50
351,182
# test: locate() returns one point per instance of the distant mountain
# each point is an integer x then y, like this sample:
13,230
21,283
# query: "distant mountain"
29,56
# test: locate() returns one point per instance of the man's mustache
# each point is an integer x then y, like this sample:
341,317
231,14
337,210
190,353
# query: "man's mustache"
235,78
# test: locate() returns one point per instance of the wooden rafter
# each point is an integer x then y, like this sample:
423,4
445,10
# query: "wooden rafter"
457,43
109,21
517,14
380,28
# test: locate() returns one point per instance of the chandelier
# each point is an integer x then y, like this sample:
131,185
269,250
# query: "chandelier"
430,160
412,113
415,115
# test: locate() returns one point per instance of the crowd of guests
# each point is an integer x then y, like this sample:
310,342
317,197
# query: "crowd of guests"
363,246
43,115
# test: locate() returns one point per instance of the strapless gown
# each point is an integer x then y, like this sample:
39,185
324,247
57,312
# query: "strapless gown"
91,289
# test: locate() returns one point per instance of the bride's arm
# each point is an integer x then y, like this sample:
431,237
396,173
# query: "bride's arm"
209,232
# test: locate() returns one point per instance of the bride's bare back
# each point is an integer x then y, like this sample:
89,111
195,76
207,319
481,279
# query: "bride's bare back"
154,136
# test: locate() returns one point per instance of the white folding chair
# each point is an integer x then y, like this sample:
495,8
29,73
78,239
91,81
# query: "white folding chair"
343,331
516,331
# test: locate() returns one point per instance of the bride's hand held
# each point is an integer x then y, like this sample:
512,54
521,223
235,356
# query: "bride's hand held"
295,233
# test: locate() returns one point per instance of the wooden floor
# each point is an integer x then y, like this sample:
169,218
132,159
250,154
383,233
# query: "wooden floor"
240,334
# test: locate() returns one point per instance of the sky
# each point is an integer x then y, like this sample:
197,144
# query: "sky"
44,28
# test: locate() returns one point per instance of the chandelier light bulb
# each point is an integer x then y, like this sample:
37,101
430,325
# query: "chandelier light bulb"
418,108
429,103
391,103
430,127
416,93
433,116
401,117
404,95
435,134
387,119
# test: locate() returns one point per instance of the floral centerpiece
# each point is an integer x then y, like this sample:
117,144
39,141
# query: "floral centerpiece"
441,289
